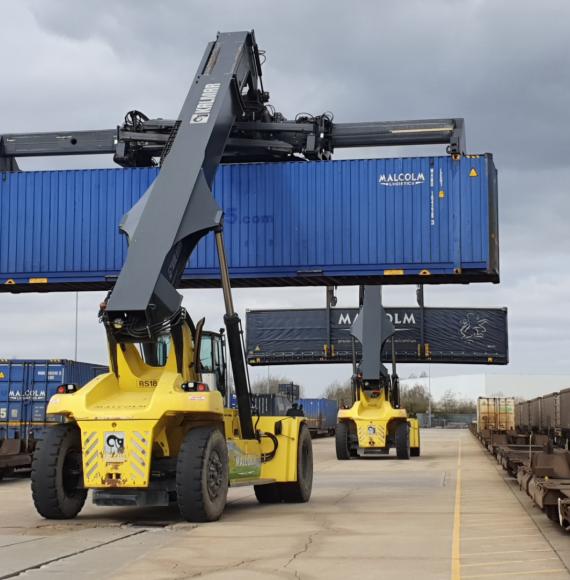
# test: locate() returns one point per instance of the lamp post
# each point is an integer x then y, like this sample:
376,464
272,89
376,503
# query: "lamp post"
429,396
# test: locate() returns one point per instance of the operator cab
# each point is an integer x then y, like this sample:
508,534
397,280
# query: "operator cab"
211,347
213,360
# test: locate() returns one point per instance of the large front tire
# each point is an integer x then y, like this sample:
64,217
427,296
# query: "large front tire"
403,441
341,442
202,475
298,491
57,475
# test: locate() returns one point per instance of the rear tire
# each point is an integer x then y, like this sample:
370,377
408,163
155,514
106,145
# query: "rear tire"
297,491
266,493
341,442
403,441
57,473
202,475
551,512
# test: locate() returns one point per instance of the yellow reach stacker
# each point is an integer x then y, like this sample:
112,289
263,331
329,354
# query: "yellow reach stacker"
154,429
375,423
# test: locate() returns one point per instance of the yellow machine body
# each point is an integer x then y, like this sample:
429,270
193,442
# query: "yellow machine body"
375,420
142,412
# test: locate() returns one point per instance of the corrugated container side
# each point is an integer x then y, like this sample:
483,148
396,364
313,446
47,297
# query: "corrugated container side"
271,404
321,414
526,414
564,400
550,419
26,387
495,413
334,222
522,419
518,415
535,409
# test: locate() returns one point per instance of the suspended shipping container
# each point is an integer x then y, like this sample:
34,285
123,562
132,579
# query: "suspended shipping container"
406,220
26,387
437,335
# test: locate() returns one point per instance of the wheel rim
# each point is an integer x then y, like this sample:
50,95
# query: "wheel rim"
214,475
71,472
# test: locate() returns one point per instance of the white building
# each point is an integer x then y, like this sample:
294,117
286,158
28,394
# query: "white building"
489,385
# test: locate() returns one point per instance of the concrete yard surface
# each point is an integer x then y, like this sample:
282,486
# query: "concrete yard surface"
452,513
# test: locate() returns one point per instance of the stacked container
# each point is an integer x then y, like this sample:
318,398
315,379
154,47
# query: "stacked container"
26,387
321,415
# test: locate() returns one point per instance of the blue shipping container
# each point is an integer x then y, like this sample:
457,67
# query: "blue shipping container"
330,222
321,414
26,387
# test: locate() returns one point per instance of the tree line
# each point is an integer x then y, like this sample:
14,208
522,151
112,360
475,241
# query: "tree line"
414,399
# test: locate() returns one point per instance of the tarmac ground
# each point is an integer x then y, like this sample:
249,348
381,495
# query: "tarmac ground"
452,513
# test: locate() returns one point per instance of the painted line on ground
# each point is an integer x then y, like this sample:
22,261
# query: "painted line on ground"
456,540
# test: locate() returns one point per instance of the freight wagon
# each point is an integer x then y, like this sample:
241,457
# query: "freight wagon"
25,389
389,221
548,415
321,415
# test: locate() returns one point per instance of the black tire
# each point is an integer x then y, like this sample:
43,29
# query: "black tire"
341,442
57,473
551,512
403,441
267,493
297,491
202,475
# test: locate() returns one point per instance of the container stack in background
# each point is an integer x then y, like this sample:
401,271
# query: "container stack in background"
26,387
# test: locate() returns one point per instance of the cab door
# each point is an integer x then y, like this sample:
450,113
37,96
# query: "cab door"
213,361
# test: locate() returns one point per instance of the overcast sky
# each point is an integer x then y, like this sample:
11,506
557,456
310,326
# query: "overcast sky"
503,66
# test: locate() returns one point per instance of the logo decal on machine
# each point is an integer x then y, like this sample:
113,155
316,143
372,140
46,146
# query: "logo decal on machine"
408,178
205,104
114,448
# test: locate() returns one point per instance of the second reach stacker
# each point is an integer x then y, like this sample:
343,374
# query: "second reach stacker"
375,422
